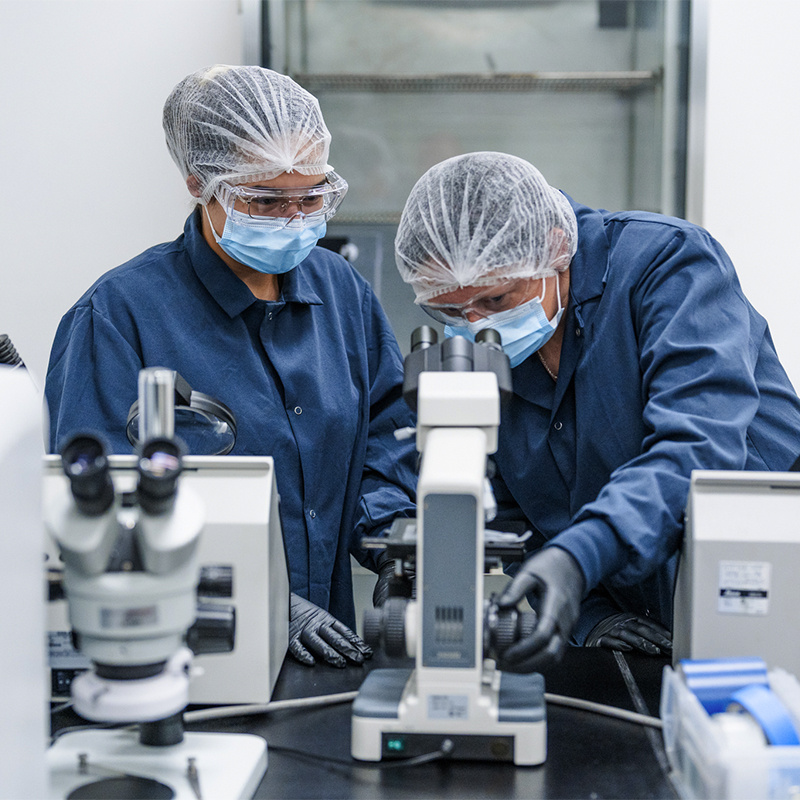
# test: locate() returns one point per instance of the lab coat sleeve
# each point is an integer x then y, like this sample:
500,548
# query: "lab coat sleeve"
91,380
697,350
388,482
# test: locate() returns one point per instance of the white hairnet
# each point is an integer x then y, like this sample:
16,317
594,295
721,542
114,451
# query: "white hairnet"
243,124
482,217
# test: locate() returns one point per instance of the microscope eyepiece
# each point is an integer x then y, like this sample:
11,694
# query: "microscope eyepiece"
491,338
457,355
84,461
423,337
159,467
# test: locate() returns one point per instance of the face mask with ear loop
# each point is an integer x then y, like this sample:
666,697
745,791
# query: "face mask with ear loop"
523,330
268,250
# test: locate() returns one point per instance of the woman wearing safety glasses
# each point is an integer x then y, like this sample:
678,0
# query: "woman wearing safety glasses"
248,310
635,359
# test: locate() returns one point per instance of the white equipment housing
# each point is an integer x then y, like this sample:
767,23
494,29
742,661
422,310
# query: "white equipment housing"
737,591
23,723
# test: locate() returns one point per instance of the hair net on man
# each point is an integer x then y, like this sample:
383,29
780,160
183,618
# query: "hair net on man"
481,218
243,124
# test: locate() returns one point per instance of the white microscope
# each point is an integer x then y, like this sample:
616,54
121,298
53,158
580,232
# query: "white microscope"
131,571
455,702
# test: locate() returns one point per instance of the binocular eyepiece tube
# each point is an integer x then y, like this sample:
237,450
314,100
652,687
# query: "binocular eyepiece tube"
85,463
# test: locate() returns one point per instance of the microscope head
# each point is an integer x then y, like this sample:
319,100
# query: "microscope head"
130,570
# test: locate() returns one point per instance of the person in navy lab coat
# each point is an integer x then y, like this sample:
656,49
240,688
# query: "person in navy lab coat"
248,310
635,357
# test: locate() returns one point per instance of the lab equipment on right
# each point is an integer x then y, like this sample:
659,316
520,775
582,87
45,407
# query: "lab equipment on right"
730,729
730,703
737,592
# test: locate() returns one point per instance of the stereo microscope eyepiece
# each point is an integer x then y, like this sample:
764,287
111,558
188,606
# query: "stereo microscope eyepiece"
159,468
84,461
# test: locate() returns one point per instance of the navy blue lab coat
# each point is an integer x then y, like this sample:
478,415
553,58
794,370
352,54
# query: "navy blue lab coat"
665,368
314,380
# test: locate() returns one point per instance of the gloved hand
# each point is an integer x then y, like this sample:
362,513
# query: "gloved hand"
627,631
381,591
402,586
555,578
315,634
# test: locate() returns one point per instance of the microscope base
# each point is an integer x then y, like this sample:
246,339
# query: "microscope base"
392,719
229,765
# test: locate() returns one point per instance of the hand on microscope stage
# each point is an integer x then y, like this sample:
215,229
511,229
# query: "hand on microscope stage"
554,578
316,635
628,631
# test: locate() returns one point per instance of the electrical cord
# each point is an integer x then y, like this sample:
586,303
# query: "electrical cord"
90,727
344,697
599,708
447,745
224,712
425,758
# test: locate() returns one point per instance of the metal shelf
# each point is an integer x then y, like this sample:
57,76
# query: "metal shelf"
625,82
366,218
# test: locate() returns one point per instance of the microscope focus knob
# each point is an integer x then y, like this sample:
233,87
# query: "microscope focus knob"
507,627
386,626
395,626
505,634
373,626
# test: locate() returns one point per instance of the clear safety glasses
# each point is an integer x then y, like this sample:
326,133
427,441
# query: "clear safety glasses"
283,208
515,295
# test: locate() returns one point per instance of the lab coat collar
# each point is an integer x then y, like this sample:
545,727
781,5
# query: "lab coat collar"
229,292
587,273
586,282
296,287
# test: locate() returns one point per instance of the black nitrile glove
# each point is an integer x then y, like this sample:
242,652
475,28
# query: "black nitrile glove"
626,631
316,635
389,584
381,591
556,580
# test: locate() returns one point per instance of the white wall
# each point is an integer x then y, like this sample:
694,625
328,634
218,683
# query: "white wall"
751,152
87,180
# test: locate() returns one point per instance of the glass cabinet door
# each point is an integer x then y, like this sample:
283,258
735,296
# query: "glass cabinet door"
592,92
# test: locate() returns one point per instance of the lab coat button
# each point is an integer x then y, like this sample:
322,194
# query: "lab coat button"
578,331
312,514
557,426
298,410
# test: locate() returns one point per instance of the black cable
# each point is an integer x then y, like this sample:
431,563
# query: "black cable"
94,726
413,761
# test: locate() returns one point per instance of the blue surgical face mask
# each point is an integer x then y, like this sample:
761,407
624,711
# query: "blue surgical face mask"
270,250
523,330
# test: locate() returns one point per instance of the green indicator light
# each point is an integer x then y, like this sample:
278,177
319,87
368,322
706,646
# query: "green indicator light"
396,745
